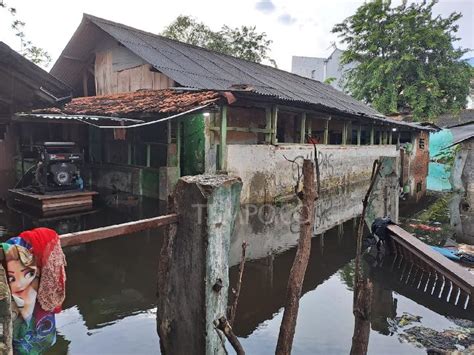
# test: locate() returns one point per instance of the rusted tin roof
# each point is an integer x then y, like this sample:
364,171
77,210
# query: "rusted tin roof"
135,104
196,67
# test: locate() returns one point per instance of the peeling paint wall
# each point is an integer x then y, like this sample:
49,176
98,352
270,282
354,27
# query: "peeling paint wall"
267,176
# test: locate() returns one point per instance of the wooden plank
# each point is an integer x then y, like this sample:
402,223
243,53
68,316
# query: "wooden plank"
326,132
91,235
70,204
242,129
163,81
123,81
274,124
454,272
24,194
344,133
223,139
147,77
135,79
303,127
268,126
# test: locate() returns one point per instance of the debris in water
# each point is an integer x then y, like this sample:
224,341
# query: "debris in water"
403,321
459,340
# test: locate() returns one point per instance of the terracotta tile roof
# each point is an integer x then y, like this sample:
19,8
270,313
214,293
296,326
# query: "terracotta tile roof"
136,103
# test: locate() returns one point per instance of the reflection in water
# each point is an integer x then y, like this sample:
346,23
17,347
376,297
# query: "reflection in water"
111,288
108,282
264,282
13,221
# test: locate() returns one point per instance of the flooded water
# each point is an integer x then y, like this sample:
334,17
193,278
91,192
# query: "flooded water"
111,288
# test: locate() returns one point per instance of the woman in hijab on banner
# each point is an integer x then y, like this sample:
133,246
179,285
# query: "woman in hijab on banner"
34,263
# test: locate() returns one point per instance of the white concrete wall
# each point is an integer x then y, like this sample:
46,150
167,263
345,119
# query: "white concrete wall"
267,176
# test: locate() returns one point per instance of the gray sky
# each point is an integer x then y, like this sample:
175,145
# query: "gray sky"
297,27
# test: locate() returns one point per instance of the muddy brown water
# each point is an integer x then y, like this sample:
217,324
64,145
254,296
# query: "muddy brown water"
111,288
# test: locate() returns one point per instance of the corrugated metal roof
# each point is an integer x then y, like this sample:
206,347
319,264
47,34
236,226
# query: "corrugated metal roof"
462,133
451,120
196,67
25,85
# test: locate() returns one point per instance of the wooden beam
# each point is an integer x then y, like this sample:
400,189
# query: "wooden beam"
390,137
359,134
178,144
169,136
326,133
243,129
274,124
223,139
268,126
372,135
303,127
344,133
148,155
452,271
84,84
309,126
92,235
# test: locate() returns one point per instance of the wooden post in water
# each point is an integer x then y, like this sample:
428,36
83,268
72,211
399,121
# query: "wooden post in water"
193,277
298,269
381,200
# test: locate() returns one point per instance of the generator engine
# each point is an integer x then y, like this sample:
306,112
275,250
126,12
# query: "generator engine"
58,168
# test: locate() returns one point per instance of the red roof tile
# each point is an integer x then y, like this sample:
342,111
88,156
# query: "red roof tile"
136,103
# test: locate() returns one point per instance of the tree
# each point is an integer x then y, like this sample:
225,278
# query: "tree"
36,54
406,59
244,42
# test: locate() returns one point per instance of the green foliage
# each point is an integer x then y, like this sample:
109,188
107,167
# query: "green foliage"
406,59
244,42
36,54
330,80
347,273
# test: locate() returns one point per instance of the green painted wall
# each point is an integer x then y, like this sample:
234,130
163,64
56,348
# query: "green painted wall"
193,143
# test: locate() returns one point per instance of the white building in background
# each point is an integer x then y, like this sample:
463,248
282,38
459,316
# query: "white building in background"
322,69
